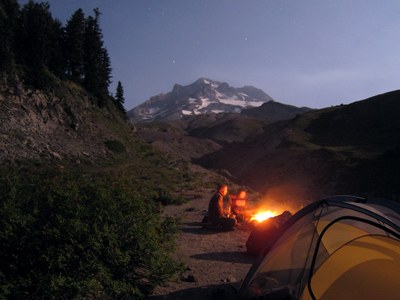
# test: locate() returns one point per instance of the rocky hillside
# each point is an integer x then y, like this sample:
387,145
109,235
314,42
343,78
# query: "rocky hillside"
348,149
204,96
63,124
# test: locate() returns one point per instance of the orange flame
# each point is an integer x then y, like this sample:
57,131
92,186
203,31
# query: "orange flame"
263,215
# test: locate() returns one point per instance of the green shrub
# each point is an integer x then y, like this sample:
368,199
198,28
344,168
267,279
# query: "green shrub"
115,146
165,196
75,236
39,78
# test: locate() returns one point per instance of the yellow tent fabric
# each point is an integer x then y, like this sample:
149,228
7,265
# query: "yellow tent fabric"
338,234
365,268
349,246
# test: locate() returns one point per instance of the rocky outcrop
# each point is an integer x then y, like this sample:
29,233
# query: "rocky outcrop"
39,125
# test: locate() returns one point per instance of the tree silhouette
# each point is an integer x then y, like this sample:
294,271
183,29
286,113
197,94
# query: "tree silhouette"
35,35
74,46
38,48
9,11
34,31
56,62
97,62
119,97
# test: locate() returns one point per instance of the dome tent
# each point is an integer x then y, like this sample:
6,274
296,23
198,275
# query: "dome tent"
341,247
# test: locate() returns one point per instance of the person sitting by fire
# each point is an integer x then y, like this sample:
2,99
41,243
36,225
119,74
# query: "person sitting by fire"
217,215
238,205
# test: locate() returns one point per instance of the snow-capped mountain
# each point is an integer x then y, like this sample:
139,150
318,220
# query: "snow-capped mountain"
201,97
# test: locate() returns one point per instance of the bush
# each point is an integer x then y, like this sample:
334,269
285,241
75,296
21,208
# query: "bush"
166,197
40,78
115,146
75,236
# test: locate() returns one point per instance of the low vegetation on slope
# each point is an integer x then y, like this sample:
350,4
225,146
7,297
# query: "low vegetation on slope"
70,234
89,230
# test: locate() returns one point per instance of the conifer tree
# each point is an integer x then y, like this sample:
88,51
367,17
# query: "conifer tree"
97,62
34,41
74,46
56,62
119,97
9,11
34,31
105,71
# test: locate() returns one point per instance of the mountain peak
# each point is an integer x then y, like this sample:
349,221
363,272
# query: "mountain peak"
204,80
203,96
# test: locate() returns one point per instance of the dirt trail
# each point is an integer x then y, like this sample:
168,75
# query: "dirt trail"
215,261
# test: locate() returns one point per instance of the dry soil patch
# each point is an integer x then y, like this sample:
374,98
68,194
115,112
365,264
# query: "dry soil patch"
216,261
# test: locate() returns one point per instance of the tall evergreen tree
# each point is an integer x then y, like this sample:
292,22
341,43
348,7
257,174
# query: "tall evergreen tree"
92,55
56,61
35,42
35,29
74,46
97,61
119,97
9,11
105,71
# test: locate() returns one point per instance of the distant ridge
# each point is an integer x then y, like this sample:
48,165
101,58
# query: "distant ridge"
273,111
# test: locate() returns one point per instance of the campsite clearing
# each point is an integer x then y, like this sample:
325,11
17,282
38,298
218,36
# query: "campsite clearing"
215,262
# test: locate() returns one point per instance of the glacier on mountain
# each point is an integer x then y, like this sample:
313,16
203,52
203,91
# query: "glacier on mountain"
204,96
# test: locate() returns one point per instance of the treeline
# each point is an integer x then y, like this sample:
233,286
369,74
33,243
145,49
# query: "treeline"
39,48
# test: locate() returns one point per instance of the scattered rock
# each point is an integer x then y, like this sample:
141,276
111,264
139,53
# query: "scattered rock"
229,280
54,154
188,278
226,174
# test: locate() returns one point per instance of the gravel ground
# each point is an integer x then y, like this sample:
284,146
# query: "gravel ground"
216,262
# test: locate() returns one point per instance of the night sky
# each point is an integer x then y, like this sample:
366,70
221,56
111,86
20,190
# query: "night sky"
306,53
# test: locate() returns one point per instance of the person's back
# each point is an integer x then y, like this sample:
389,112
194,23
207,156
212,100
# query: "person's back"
216,210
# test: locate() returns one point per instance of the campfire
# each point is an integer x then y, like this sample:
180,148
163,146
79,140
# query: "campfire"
263,215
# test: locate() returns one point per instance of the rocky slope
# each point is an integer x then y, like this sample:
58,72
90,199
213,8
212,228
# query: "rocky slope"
62,124
348,149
